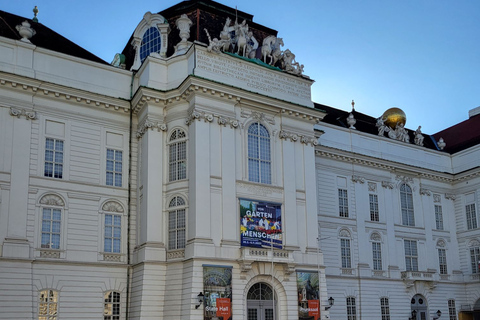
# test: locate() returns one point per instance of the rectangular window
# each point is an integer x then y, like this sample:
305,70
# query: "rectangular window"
475,259
406,202
345,252
377,255
471,216
411,255
176,229
343,203
51,223
385,308
53,158
114,168
438,217
442,260
351,309
452,311
373,207
113,233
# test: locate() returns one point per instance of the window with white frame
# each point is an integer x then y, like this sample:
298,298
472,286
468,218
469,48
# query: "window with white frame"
114,168
176,224
406,202
48,305
112,233
151,42
111,309
452,310
177,151
373,207
411,255
259,154
51,228
343,202
377,255
438,217
471,216
475,259
351,309
385,308
442,261
53,158
345,253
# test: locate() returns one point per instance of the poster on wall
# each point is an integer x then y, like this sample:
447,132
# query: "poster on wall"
217,286
308,300
260,224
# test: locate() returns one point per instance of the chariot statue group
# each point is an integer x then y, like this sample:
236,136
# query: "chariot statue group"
237,38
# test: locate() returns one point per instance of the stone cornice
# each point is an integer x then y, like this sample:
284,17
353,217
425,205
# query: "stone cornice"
197,114
393,167
65,93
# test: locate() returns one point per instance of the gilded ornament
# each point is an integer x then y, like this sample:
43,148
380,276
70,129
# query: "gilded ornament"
394,116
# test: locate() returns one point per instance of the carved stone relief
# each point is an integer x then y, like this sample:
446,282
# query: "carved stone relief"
112,206
150,125
404,179
29,115
437,198
358,179
425,192
450,196
52,200
387,184
372,187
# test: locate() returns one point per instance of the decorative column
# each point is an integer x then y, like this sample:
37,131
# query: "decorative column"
16,244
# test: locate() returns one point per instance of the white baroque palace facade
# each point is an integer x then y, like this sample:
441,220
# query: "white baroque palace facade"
194,178
175,183
398,222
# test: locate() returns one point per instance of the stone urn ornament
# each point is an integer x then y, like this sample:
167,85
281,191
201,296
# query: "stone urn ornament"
25,31
183,25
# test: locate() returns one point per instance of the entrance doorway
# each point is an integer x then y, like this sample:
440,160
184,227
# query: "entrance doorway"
260,302
419,308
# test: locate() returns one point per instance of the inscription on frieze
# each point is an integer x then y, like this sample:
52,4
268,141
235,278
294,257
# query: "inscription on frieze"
252,77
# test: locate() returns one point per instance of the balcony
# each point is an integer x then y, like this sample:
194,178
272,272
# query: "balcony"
427,277
278,256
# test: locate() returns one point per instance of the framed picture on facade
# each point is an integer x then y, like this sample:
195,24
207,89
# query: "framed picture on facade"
217,287
308,296
260,224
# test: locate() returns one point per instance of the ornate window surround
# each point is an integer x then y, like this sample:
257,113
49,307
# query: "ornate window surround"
150,20
51,200
112,207
271,151
176,141
171,208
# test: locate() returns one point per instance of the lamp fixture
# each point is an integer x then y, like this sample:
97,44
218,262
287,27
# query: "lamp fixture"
200,299
439,314
330,303
414,315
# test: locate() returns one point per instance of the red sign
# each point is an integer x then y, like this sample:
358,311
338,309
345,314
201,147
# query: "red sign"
224,308
314,309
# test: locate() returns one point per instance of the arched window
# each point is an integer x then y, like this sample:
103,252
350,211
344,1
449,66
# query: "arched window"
111,309
112,229
51,221
406,202
151,42
48,305
259,155
177,151
345,251
176,224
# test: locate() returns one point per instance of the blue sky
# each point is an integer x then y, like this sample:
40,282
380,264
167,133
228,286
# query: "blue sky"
422,56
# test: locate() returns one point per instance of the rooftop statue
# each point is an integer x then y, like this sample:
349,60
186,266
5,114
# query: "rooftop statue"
419,137
238,39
